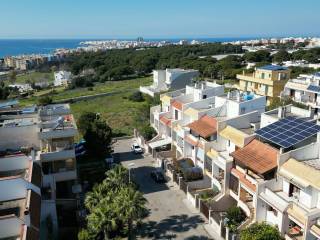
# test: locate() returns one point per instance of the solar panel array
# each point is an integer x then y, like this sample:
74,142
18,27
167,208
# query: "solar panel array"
314,88
289,131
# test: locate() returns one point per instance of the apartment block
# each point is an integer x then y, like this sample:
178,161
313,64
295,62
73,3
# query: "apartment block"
20,197
267,81
46,135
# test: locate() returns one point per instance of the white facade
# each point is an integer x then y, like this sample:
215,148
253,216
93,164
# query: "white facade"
164,80
305,89
62,78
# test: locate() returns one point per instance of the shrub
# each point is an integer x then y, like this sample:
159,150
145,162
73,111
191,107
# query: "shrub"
260,231
45,100
136,97
147,132
235,217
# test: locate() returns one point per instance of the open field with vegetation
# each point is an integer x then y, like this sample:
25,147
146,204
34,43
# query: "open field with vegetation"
35,77
117,110
64,93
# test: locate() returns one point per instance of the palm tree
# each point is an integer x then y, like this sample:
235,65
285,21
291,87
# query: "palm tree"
98,192
131,205
117,178
103,219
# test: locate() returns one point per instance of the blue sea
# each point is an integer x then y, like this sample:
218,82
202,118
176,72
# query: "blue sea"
12,47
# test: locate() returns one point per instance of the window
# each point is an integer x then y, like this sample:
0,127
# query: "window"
204,96
234,184
262,75
293,190
271,209
242,110
176,114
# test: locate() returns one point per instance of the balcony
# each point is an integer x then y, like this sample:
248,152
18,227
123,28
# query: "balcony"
57,155
65,175
57,133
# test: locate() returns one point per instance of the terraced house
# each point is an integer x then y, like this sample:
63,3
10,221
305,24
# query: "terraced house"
248,157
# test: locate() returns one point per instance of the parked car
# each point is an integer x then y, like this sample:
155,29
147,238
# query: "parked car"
158,177
136,148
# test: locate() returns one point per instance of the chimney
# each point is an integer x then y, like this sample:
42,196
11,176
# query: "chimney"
311,112
238,96
281,112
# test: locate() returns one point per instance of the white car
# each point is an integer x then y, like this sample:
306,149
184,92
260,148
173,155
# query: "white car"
136,148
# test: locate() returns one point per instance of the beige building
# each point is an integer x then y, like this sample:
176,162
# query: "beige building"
268,80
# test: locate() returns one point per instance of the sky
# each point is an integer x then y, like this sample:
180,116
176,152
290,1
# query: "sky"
158,19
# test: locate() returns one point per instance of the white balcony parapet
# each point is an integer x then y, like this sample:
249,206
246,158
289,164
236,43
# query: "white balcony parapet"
57,155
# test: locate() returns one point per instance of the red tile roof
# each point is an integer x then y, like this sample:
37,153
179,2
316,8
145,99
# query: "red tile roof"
188,139
176,104
257,156
243,180
205,126
165,120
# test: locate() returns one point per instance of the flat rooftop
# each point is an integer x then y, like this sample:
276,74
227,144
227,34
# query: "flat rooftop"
19,122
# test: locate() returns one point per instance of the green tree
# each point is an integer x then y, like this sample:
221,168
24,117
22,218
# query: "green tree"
45,100
132,206
85,120
98,138
12,76
281,56
103,218
113,205
260,231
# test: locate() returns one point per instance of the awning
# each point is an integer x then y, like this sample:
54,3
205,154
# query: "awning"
297,214
234,135
212,153
165,99
160,143
273,200
192,113
300,173
200,154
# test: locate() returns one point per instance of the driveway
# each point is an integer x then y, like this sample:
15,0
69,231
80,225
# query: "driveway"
169,217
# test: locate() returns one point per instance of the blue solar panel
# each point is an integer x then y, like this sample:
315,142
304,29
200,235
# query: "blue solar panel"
273,68
313,88
289,131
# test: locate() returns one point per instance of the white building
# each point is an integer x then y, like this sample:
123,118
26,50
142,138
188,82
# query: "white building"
22,87
169,79
48,134
62,78
304,89
20,201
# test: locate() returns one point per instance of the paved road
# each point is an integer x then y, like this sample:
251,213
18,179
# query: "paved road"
169,217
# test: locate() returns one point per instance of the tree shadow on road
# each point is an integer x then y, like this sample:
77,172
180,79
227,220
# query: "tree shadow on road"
126,156
141,175
170,227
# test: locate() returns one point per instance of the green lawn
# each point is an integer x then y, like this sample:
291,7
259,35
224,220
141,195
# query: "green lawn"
36,77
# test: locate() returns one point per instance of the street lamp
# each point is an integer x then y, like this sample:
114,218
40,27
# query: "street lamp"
130,165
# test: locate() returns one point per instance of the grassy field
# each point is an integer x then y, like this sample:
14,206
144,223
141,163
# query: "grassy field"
63,93
35,77
117,109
